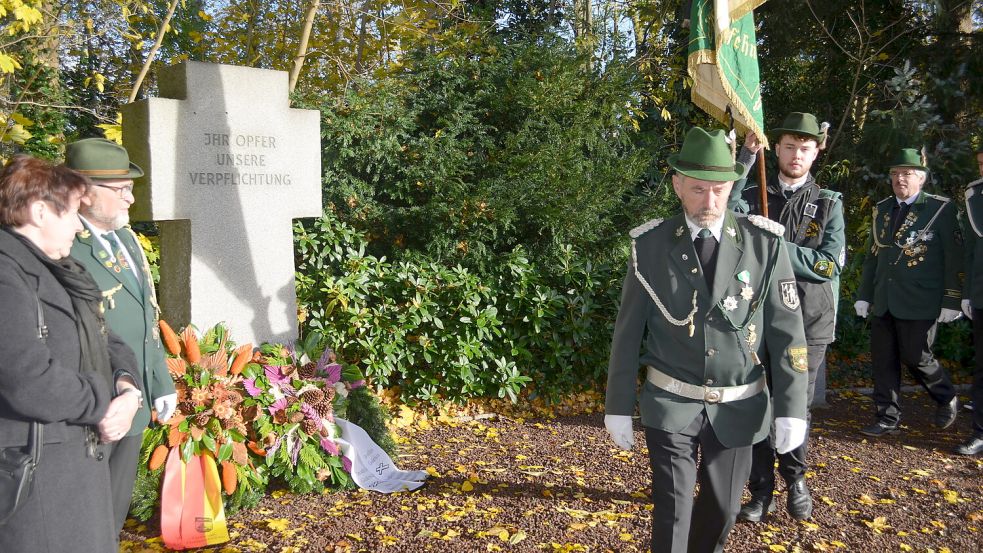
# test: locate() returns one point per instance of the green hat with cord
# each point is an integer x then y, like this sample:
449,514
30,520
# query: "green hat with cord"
98,158
706,156
910,157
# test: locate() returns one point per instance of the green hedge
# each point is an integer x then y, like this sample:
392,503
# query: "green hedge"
446,333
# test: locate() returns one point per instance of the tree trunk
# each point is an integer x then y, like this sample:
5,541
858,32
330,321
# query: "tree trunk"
305,36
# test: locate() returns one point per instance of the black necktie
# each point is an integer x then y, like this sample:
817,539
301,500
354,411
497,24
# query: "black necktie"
706,249
900,213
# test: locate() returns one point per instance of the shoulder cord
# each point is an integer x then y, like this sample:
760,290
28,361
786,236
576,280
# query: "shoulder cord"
972,222
918,237
665,313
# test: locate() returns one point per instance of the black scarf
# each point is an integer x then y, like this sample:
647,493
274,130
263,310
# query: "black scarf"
86,300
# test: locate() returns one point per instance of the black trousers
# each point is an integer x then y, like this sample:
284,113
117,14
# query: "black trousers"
976,394
791,465
721,474
123,457
895,342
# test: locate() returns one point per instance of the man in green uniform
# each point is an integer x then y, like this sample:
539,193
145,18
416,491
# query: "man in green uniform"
816,244
110,251
911,282
972,302
705,290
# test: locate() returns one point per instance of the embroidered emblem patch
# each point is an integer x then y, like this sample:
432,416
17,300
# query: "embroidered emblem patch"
799,358
731,232
823,267
790,295
842,259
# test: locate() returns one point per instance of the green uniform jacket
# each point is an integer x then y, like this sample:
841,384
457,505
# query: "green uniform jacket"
973,231
816,241
754,300
131,313
918,271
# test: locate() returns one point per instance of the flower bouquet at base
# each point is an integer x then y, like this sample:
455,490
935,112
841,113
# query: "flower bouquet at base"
208,420
295,400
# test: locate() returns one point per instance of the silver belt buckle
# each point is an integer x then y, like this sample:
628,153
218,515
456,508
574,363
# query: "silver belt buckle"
712,396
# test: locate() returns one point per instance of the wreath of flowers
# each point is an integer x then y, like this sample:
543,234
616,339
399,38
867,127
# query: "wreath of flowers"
261,415
296,400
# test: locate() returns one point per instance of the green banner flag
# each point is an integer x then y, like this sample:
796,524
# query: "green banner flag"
724,65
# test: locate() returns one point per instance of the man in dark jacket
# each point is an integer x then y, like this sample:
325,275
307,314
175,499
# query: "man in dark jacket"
110,251
972,303
816,245
911,282
704,291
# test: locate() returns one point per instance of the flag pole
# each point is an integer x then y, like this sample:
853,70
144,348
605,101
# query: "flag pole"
762,187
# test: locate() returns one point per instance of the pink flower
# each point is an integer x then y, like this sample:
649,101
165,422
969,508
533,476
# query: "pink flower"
332,373
278,405
328,445
346,464
250,385
276,376
356,385
310,412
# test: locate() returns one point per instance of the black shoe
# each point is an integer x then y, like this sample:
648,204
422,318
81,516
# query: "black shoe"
879,429
945,413
799,500
757,508
973,447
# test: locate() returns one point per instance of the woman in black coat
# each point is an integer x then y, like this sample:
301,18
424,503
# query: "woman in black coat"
77,381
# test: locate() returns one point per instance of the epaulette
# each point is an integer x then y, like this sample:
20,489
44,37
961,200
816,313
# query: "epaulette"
886,199
767,224
969,188
827,194
644,227
942,199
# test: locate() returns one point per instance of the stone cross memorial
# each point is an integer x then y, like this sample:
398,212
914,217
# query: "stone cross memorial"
228,166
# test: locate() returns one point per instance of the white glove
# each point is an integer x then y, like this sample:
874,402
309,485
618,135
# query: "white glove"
790,433
967,308
862,308
949,315
165,406
619,428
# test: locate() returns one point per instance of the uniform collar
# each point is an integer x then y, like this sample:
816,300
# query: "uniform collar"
715,229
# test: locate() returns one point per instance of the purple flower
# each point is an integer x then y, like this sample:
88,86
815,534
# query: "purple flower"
310,412
276,376
278,405
356,385
328,445
295,451
346,464
250,385
332,373
273,449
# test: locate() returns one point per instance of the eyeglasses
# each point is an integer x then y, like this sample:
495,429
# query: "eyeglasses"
121,191
907,173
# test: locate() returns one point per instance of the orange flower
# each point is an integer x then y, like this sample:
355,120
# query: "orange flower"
243,355
223,410
200,395
169,337
191,351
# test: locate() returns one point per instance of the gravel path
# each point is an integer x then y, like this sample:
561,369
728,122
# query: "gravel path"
560,485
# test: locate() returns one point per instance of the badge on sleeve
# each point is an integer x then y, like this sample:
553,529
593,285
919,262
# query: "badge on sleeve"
823,267
799,358
810,210
790,295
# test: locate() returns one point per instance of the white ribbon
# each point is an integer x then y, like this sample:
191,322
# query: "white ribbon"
372,468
